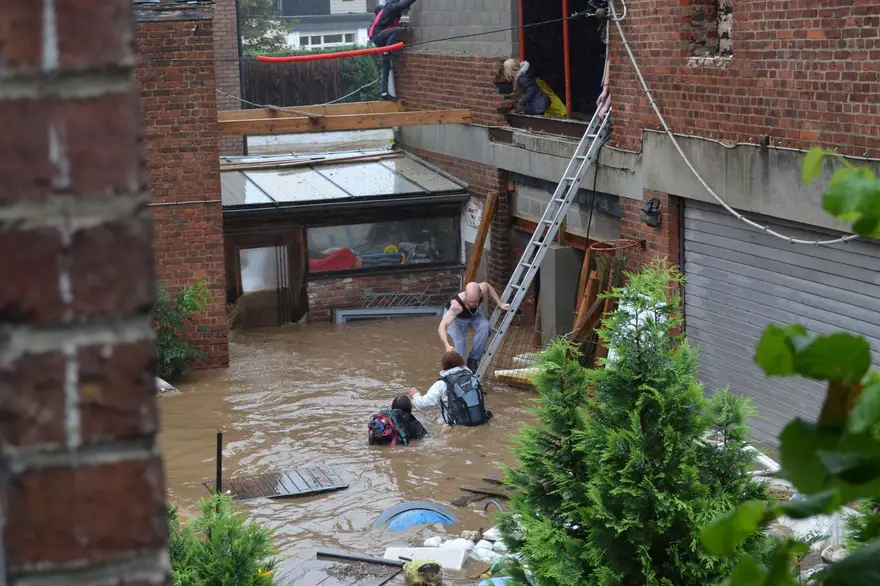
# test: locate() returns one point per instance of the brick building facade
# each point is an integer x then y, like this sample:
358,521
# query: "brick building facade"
181,140
77,364
746,87
226,49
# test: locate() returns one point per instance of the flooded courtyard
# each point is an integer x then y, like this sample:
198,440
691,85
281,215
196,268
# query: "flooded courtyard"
302,395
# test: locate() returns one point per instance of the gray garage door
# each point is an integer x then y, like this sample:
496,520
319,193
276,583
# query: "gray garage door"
740,279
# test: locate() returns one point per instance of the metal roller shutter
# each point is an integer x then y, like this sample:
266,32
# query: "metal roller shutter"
740,279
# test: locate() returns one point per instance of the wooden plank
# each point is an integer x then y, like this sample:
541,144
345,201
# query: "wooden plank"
487,490
468,499
330,123
608,307
328,110
314,483
498,479
585,274
284,484
589,298
480,241
255,489
323,160
297,480
320,476
268,488
240,489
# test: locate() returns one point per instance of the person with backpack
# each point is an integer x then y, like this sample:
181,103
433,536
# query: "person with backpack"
384,31
395,425
458,393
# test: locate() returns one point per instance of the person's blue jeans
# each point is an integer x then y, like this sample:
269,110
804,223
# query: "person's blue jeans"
458,332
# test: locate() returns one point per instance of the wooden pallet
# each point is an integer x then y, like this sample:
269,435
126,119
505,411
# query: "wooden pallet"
274,485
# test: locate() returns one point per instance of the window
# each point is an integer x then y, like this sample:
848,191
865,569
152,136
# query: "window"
316,40
304,41
404,244
349,38
329,39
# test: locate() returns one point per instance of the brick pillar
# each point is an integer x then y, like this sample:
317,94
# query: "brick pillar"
81,482
499,259
228,72
660,242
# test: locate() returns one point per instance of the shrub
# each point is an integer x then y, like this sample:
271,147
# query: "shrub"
173,316
219,548
613,490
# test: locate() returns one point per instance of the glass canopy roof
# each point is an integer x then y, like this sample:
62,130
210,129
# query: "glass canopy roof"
270,182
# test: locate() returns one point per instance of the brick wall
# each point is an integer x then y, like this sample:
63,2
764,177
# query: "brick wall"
228,72
660,242
326,295
801,73
440,19
434,81
483,180
81,482
181,139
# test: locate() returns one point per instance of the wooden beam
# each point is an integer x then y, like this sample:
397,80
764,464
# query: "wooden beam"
480,241
331,110
329,123
305,162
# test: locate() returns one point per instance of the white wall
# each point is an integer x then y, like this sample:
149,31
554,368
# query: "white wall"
348,6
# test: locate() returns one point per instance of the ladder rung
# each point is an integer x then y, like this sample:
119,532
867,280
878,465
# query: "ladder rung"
571,178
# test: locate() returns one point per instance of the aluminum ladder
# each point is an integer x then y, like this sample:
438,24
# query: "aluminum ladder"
585,155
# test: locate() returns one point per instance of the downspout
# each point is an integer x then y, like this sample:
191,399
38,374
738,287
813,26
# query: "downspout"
566,48
522,32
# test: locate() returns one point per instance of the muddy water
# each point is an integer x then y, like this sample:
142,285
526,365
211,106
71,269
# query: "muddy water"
302,395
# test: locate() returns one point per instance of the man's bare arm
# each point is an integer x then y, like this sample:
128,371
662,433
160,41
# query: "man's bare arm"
447,320
486,287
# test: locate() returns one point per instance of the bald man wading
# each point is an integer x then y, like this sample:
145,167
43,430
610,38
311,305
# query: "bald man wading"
466,311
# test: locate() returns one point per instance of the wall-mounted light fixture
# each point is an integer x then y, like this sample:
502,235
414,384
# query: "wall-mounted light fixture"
651,212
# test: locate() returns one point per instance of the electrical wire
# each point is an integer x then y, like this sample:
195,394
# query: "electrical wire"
671,135
573,16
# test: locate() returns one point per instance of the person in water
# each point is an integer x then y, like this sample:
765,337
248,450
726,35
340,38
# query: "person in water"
457,392
466,311
384,31
402,408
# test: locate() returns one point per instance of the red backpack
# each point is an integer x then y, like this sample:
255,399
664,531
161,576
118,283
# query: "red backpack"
383,430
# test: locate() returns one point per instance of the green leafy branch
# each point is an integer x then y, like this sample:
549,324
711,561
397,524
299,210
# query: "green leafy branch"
836,460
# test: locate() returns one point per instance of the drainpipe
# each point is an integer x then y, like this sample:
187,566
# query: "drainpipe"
566,48
522,32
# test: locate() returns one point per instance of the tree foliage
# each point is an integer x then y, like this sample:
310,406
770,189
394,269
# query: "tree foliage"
835,460
219,548
261,31
613,489
173,317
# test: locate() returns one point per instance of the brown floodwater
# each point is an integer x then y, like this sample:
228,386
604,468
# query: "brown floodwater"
302,395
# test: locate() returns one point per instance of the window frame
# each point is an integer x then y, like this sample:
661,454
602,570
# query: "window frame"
388,269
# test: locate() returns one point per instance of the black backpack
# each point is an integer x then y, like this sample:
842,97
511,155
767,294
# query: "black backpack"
464,400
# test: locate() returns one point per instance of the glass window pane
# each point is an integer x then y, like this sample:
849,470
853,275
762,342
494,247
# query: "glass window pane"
316,40
236,190
366,179
332,38
259,270
421,175
300,184
349,38
304,41
383,244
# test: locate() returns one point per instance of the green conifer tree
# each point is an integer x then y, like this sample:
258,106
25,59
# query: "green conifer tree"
613,490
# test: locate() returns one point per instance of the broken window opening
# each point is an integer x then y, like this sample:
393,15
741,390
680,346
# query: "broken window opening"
542,48
708,28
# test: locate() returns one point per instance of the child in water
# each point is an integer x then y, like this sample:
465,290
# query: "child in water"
402,406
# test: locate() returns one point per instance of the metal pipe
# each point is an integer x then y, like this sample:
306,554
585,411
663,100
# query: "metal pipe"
324,554
217,487
566,48
522,32
491,502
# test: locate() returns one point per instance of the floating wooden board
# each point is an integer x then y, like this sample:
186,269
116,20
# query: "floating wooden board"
300,124
331,110
487,490
335,573
274,485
